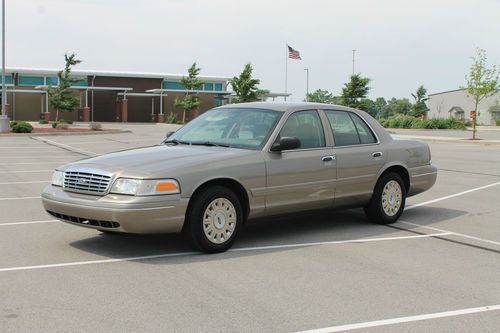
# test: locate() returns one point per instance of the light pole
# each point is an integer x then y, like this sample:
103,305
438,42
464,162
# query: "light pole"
4,119
307,82
353,55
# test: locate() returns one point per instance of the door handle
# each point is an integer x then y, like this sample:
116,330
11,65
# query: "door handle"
328,158
377,154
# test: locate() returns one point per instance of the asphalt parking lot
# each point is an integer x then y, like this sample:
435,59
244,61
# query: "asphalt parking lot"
437,270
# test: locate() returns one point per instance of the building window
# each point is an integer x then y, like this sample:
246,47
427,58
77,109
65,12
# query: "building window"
173,85
51,80
209,86
31,80
80,83
218,87
8,79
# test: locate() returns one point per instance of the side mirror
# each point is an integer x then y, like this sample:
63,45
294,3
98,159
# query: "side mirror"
286,143
169,134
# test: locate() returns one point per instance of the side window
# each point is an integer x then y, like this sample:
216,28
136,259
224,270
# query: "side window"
348,129
343,129
364,132
306,126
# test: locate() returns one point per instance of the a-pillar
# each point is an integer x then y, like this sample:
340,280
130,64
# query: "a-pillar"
124,110
161,118
84,114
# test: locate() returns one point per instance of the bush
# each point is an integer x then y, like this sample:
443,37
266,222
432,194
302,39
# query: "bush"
62,126
66,121
95,126
43,121
13,123
171,118
400,121
498,122
21,127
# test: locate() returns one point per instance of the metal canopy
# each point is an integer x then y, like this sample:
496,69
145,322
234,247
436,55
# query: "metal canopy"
212,92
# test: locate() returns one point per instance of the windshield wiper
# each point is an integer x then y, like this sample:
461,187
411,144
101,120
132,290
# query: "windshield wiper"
210,143
177,142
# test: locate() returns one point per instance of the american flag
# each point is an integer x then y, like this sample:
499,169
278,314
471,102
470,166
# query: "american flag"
293,54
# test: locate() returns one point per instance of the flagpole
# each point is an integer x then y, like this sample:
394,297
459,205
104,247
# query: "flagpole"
286,69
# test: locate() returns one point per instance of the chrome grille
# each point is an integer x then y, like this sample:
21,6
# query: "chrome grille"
86,182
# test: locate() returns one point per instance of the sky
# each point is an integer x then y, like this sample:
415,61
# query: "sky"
399,44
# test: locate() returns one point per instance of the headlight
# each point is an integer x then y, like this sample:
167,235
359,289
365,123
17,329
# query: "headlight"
57,178
145,186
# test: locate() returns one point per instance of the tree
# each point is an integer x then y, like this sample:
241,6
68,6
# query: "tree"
481,82
245,86
321,96
420,97
396,106
355,90
59,96
191,100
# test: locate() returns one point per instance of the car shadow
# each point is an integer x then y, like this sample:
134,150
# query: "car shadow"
304,228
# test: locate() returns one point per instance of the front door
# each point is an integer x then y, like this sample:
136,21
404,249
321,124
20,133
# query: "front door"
303,178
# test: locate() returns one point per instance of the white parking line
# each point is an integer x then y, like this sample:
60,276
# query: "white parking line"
19,198
63,146
451,196
400,320
28,222
452,232
26,171
30,182
178,254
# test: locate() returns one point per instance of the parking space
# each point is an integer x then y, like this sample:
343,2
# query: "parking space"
436,270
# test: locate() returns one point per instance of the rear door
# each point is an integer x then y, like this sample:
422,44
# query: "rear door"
359,156
303,178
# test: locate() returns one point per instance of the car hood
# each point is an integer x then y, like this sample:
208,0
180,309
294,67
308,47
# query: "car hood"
157,161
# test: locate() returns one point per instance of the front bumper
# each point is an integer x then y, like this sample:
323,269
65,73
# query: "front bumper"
120,213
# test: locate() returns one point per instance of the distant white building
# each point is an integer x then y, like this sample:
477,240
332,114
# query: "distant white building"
457,104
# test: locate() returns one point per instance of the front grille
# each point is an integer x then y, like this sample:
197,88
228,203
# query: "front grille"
86,182
84,221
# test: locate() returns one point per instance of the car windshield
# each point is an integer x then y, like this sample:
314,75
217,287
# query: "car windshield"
231,127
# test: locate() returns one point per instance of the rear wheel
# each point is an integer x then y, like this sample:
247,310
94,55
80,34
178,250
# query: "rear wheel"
388,200
214,220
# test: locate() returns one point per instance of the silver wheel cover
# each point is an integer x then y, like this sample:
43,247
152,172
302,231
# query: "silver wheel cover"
219,221
391,198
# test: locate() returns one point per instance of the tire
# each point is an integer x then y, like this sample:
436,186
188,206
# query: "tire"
390,192
214,232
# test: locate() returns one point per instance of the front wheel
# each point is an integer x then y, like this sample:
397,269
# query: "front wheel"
214,220
388,200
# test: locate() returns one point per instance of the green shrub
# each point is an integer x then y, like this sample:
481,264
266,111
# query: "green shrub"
400,121
43,121
66,121
171,118
13,123
22,127
62,126
54,124
498,122
95,126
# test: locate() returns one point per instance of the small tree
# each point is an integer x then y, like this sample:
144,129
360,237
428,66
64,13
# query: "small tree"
481,82
321,96
245,86
420,97
59,96
191,100
355,90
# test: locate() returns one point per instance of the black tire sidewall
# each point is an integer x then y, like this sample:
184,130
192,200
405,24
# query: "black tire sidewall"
195,230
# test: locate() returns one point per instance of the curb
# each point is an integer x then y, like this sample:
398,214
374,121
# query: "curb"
66,134
65,147
446,139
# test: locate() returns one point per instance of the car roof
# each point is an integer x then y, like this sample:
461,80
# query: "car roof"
285,106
